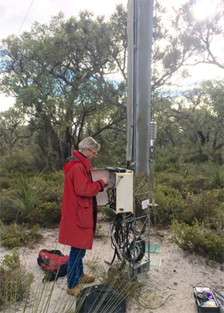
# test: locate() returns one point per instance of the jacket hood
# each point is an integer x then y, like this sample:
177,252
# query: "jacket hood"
76,158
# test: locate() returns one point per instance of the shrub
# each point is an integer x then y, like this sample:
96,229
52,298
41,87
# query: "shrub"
15,281
195,183
197,239
164,178
170,203
215,175
220,195
218,158
16,235
54,178
27,193
205,207
22,163
46,214
4,182
33,199
8,213
118,277
173,180
198,158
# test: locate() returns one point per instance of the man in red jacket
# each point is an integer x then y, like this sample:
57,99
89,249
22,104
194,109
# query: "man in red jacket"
79,211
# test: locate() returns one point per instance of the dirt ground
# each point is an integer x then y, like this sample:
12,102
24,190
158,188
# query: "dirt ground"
166,288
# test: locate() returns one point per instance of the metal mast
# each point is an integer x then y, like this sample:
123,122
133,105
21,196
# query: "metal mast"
127,233
139,31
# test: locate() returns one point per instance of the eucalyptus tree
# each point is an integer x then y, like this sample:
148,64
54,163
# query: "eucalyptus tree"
213,129
57,73
69,76
205,33
13,131
192,120
202,116
181,41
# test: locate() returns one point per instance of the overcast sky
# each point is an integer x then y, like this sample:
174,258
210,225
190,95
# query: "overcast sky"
17,16
13,12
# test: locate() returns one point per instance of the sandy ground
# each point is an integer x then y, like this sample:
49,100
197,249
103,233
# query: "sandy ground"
167,288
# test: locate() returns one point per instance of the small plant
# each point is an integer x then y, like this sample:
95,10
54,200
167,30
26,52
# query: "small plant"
118,277
26,196
14,280
215,174
189,169
93,265
108,214
99,233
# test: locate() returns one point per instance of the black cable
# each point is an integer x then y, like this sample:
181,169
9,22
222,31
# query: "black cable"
25,17
125,237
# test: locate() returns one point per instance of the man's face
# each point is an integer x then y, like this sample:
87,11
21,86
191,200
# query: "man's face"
90,153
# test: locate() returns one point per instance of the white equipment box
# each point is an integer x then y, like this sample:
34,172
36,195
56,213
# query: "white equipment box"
124,192
121,182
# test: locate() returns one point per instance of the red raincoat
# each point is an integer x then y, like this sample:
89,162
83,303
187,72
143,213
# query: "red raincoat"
77,222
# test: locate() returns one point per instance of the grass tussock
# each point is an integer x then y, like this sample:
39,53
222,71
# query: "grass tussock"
118,277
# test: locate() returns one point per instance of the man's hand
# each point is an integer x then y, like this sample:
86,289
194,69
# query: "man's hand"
106,181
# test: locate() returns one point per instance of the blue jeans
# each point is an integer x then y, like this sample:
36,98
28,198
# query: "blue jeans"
75,266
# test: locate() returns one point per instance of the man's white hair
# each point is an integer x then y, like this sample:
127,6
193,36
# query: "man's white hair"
88,143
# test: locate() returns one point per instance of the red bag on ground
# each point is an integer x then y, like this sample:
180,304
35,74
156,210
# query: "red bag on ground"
54,263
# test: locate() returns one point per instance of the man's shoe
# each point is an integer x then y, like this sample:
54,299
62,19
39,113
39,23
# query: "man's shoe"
74,291
86,279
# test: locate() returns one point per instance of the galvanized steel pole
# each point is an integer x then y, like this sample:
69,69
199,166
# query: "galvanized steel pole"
139,31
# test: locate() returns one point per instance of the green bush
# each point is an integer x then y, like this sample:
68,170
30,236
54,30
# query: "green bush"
15,281
164,178
205,207
16,235
196,182
174,180
22,197
170,204
52,186
4,182
218,158
22,163
119,278
198,158
197,239
46,214
54,178
220,195
33,199
215,175
203,177
8,213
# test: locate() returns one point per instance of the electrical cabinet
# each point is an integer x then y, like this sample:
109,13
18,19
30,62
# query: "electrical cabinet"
124,192
120,190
